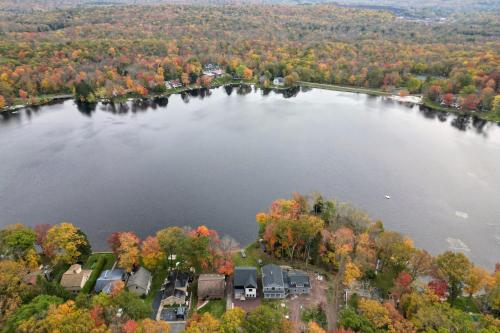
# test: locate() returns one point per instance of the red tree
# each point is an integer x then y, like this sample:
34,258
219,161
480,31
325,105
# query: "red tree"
448,99
438,287
130,326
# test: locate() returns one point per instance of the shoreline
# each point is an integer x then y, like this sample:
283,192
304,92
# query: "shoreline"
411,99
489,116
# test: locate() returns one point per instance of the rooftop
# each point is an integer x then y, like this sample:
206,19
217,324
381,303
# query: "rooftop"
272,275
245,277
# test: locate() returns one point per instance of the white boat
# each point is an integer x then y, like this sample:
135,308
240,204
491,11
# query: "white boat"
387,196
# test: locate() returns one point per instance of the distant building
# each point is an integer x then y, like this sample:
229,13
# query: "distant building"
106,282
211,286
174,291
273,285
75,278
212,70
140,282
245,282
278,81
173,84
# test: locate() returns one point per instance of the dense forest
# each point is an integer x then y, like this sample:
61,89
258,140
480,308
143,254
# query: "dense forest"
111,51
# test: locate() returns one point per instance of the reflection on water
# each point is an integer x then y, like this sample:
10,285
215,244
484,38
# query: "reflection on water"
460,122
219,156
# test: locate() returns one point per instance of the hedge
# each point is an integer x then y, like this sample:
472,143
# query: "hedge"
96,272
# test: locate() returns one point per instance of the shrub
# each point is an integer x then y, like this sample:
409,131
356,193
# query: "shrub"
96,272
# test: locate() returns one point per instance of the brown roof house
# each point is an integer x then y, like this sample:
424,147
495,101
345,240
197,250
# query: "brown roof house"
211,286
75,278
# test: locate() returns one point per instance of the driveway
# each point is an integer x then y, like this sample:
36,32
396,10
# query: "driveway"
296,304
156,305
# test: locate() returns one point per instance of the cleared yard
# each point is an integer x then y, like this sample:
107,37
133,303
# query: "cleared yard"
215,307
158,279
92,260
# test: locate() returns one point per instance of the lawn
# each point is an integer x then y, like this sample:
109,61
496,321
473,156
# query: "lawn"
158,279
91,261
215,307
254,253
252,259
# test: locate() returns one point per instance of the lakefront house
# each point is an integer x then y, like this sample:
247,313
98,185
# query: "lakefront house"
245,282
279,282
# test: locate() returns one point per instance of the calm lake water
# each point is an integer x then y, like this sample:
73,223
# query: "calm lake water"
218,157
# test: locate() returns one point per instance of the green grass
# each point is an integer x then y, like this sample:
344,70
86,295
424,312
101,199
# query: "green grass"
158,278
369,91
253,255
92,260
215,307
97,267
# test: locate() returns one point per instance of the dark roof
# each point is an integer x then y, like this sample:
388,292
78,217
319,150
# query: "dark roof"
245,277
296,277
272,275
141,278
176,280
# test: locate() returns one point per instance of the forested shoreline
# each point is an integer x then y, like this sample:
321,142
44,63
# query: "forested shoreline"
392,286
114,51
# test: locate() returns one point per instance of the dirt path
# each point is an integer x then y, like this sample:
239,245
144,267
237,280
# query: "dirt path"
333,306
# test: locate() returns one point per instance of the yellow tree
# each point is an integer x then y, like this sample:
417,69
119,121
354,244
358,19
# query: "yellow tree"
128,250
63,242
231,320
62,318
11,286
494,292
365,252
351,273
185,79
203,324
313,327
476,280
375,312
152,326
152,254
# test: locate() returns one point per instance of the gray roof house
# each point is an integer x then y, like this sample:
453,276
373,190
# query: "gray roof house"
245,282
296,282
273,285
105,282
140,282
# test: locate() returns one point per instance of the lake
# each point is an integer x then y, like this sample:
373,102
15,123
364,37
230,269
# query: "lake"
218,157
